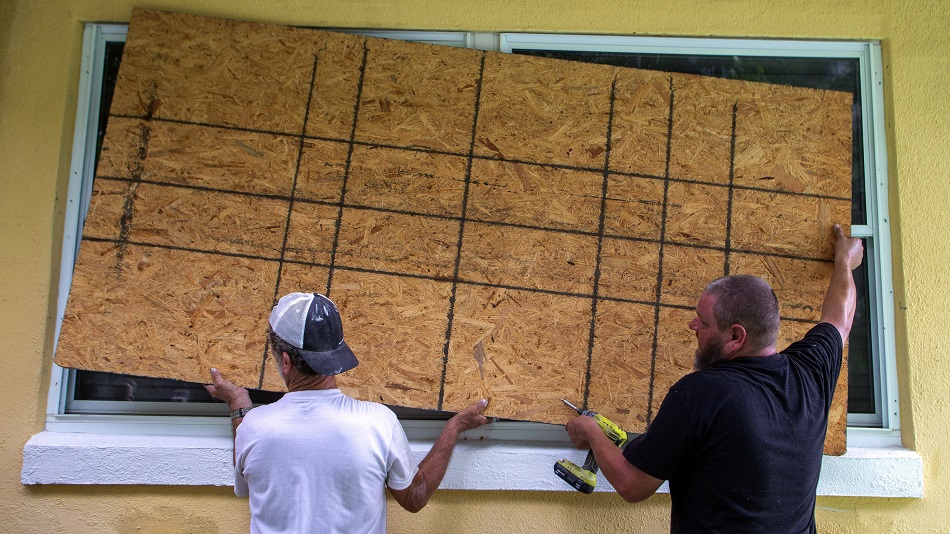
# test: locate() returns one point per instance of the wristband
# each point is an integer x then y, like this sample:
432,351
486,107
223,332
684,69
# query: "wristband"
239,413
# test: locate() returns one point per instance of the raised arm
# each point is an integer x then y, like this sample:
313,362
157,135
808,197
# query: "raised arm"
841,298
432,467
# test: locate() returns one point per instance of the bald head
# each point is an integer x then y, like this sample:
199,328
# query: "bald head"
748,301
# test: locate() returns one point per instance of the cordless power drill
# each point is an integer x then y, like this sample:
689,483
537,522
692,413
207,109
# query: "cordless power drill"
584,477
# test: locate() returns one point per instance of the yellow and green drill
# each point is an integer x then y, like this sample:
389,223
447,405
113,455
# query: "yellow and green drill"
584,477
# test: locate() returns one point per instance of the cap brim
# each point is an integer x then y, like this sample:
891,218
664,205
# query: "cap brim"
332,362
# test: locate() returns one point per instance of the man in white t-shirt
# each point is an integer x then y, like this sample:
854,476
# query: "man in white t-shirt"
317,460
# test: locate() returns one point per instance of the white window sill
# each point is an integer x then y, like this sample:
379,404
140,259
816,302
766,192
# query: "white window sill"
206,460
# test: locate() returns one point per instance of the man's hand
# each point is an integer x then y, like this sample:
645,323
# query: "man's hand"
849,251
580,428
631,483
235,396
221,389
470,417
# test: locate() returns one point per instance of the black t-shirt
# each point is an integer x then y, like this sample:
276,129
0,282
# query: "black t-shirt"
741,443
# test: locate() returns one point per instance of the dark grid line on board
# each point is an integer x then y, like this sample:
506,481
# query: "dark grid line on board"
290,209
414,276
732,174
659,271
551,165
600,244
346,170
461,281
450,319
569,231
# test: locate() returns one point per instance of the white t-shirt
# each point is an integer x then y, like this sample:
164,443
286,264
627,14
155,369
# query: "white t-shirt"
318,461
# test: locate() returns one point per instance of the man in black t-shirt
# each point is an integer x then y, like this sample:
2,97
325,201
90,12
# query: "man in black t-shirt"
740,439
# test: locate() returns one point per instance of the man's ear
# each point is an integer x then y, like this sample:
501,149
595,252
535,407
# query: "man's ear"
737,338
285,364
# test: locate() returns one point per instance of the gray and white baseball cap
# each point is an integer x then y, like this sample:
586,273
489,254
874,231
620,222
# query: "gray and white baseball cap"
311,322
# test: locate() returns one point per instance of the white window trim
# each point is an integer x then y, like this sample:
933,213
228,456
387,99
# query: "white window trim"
181,450
85,458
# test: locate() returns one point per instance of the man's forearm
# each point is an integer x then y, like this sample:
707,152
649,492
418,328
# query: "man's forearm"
431,471
631,483
432,467
840,300
236,397
841,297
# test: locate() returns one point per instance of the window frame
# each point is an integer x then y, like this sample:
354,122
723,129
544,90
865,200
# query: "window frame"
868,54
70,440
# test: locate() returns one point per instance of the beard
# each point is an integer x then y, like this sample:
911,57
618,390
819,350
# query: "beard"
708,356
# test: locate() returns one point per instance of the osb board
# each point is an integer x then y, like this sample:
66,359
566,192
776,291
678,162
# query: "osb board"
490,225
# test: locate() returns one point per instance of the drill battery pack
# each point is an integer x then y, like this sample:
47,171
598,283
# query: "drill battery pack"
576,476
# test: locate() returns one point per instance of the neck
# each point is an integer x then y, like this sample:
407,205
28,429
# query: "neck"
759,353
299,382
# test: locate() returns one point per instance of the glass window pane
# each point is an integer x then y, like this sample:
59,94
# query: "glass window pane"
94,385
862,393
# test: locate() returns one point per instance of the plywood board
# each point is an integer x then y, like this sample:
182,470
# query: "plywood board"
490,225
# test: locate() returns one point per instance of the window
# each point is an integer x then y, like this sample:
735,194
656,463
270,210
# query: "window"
189,443
853,67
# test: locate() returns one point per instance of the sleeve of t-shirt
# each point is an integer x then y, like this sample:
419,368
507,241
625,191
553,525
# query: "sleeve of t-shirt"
240,454
660,451
821,350
240,484
401,466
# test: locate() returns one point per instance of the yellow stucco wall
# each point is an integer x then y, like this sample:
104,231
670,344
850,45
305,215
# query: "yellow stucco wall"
40,43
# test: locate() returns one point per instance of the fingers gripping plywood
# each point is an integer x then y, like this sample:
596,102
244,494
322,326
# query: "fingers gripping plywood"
490,225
